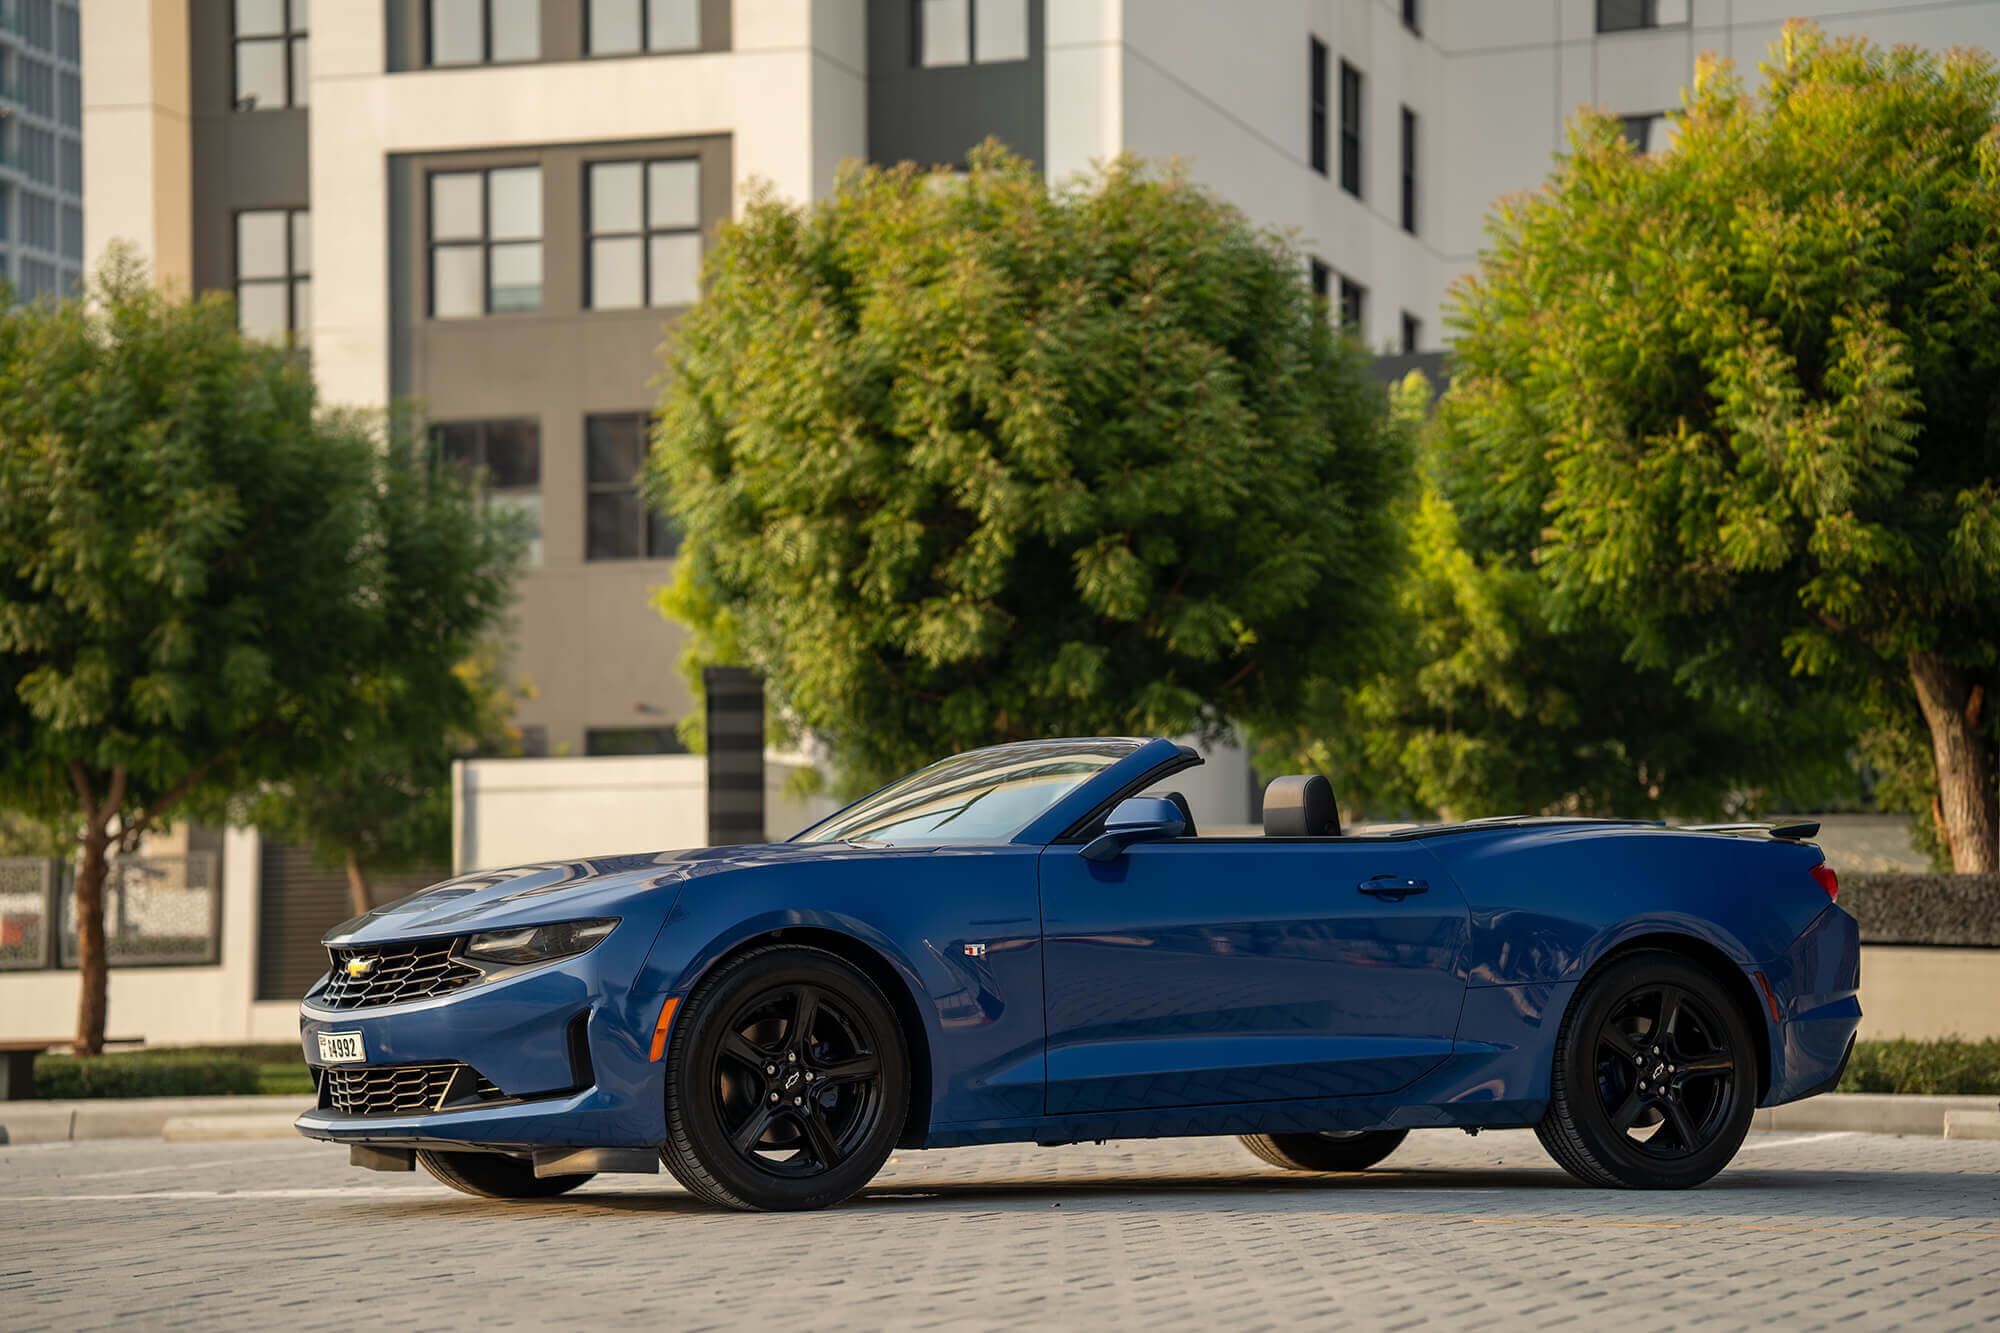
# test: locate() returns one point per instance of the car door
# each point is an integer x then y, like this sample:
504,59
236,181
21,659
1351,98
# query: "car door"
1209,971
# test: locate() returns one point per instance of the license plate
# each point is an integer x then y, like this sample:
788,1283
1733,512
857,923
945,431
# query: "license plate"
340,1048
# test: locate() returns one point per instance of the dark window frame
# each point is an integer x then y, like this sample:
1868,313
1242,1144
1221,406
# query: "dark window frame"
1413,18
1352,95
971,37
1413,334
1635,16
485,41
483,429
1317,89
1409,173
1637,129
293,275
646,230
653,529
646,36
667,737
1321,278
485,240
1353,306
290,39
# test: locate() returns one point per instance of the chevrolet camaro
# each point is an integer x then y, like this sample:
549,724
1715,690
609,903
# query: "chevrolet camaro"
1033,943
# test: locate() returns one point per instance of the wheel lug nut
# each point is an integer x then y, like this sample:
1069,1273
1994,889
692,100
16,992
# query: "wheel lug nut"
792,1056
774,1096
770,1069
809,1077
798,1101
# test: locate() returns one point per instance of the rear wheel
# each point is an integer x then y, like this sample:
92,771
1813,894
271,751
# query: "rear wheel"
492,1176
1655,1077
1355,1151
787,1082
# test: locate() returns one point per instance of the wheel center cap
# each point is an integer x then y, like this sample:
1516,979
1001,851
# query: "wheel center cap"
792,1080
1659,1071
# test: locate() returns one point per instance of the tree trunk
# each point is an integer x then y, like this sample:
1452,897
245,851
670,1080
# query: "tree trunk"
91,968
1966,806
358,896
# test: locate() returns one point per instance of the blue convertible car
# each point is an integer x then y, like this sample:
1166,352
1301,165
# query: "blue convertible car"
1023,944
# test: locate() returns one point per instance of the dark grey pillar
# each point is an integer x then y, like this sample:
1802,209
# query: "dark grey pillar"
735,755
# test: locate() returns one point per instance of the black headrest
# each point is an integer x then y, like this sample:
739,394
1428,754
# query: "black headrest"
1300,807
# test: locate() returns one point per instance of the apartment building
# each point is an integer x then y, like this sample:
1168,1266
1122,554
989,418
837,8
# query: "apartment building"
41,147
497,206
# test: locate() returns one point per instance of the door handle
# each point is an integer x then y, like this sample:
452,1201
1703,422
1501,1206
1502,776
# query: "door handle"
1393,886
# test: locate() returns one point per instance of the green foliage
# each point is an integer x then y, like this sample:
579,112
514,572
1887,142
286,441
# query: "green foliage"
1483,708
1733,403
144,1074
1936,1068
965,459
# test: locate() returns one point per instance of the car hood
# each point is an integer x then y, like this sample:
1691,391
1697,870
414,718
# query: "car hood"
559,890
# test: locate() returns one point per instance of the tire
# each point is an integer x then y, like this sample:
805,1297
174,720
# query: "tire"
1325,1152
1655,1077
494,1176
767,1115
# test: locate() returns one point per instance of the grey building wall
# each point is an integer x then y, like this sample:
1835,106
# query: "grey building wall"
584,631
41,147
933,117
241,159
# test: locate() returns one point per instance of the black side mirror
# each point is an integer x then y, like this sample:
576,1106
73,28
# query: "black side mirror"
1135,819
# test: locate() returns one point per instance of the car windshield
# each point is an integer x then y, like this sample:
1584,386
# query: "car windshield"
980,796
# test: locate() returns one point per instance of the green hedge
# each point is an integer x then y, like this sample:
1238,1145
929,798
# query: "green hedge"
144,1074
1935,1067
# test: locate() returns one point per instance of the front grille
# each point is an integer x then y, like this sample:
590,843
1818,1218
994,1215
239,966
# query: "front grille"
403,1089
415,970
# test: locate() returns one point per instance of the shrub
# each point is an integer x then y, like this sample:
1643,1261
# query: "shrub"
1935,1067
144,1074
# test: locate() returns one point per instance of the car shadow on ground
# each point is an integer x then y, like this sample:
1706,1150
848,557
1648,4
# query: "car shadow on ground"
1780,1198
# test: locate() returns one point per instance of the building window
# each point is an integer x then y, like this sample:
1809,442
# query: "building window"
1413,16
1413,333
1628,15
632,740
1318,121
270,38
1409,171
1651,133
645,234
1353,306
1322,282
625,27
485,241
970,32
482,32
274,274
1350,129
507,455
616,523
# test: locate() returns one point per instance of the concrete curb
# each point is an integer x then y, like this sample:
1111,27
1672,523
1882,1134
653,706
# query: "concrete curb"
1870,1113
129,1117
1972,1124
226,1128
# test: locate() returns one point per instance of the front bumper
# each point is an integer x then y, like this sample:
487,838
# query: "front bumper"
1814,988
567,1045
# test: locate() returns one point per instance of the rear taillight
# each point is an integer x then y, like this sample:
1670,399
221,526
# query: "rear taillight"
1827,880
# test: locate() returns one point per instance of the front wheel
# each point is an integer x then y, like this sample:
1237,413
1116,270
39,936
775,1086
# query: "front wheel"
788,1081
1356,1151
492,1176
1655,1077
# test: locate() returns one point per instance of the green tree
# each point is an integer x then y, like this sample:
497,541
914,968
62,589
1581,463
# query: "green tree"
200,575
1483,708
1737,400
966,459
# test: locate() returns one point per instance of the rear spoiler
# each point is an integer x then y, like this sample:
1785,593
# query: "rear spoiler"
1794,832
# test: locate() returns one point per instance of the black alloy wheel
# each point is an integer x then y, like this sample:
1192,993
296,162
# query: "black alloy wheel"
1654,1081
1349,1150
787,1082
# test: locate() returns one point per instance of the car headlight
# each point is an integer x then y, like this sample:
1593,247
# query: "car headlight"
537,944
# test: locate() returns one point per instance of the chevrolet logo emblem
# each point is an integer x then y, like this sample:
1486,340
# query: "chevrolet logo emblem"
360,967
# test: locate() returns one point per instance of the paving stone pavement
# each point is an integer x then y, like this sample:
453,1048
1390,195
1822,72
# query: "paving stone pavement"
1804,1231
